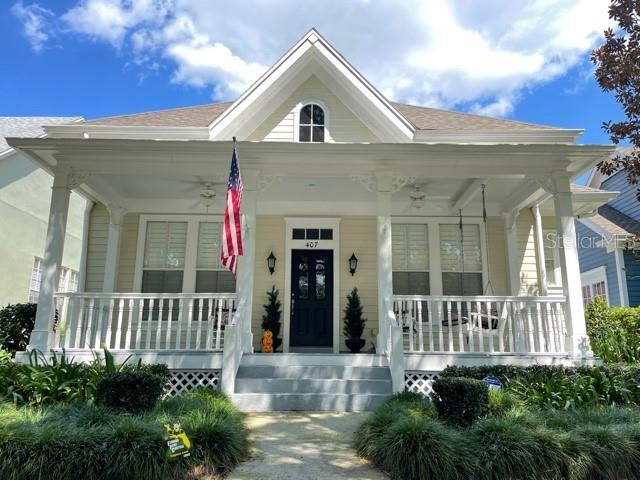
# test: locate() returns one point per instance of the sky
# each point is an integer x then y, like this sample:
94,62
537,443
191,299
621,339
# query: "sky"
521,59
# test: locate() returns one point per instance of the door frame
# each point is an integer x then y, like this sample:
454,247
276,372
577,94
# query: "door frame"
290,244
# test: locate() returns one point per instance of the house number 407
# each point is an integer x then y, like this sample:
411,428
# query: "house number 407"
312,244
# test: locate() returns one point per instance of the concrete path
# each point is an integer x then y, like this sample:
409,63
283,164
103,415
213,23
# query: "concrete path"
304,445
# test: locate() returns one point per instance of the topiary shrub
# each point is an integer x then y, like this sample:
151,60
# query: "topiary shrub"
271,317
130,391
16,324
460,401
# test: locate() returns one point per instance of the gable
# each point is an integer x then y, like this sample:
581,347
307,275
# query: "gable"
626,201
342,124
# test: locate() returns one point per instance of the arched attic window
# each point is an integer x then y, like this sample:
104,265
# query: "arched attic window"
312,123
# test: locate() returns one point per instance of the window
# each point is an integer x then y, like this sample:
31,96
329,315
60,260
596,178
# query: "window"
211,275
164,256
312,123
552,257
594,284
312,234
410,259
460,259
68,281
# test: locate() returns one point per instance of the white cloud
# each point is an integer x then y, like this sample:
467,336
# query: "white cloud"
481,56
35,22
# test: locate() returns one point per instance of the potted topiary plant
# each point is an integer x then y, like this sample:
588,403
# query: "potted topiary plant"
353,322
271,317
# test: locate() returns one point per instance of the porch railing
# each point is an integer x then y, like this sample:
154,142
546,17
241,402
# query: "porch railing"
482,324
142,321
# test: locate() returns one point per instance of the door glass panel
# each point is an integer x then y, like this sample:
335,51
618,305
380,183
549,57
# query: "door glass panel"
303,278
321,290
313,234
326,234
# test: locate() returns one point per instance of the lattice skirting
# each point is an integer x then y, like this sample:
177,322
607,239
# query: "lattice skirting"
420,382
185,380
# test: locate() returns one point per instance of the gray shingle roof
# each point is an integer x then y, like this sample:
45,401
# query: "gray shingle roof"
615,222
29,127
422,118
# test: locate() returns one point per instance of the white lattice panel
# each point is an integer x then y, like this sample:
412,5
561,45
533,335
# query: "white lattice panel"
420,382
185,380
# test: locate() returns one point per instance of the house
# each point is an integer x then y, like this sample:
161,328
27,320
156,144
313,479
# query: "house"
332,171
24,213
608,267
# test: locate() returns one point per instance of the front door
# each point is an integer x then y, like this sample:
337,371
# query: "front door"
311,298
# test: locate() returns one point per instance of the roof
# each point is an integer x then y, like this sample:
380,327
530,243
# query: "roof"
575,188
30,127
422,118
614,222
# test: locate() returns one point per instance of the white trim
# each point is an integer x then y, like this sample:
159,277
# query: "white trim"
296,119
290,244
82,280
86,131
621,274
513,136
191,247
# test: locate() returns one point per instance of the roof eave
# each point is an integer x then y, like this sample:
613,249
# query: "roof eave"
499,136
127,132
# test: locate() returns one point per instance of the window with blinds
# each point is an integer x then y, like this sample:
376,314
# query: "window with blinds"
211,275
164,256
460,259
410,259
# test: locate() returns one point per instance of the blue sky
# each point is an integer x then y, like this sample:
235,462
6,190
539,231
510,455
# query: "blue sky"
526,60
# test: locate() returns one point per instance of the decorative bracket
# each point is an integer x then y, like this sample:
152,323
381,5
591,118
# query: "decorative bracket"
546,183
366,180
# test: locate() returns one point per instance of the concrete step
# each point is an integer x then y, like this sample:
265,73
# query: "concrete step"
265,402
314,372
310,359
313,385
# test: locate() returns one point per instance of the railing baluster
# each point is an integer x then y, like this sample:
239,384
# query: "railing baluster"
77,341
179,323
430,318
470,327
99,323
141,304
127,338
159,322
211,308
199,328
460,326
89,332
68,324
490,329
440,320
501,310
531,336
479,326
189,318
219,323
118,340
510,325
167,342
147,331
411,323
107,339
450,329
420,335
541,347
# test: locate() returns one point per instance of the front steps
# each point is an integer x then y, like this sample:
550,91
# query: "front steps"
311,382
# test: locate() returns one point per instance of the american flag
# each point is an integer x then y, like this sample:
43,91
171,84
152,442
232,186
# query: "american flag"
232,232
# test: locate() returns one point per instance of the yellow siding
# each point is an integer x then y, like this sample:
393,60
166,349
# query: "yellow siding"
343,125
97,247
497,256
358,235
527,253
270,231
128,247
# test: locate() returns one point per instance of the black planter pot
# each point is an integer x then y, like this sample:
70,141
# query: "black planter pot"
355,344
276,344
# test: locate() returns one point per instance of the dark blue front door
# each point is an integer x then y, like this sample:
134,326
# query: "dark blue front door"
311,298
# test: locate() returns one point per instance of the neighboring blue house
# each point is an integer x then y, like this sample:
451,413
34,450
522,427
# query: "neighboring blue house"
608,267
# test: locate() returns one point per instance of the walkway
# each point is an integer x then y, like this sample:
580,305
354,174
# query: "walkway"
304,445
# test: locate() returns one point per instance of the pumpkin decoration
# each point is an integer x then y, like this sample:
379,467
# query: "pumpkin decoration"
267,341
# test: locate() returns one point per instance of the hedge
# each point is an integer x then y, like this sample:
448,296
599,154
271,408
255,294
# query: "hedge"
614,332
84,440
585,444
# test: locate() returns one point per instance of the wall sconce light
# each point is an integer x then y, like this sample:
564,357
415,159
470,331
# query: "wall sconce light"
271,263
353,264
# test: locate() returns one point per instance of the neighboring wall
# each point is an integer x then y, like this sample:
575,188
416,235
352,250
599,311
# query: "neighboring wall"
632,271
592,256
626,202
25,196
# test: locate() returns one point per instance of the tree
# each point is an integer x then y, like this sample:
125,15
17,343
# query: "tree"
617,64
16,324
271,317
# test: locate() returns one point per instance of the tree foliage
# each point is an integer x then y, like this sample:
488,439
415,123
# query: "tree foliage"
353,321
617,64
272,313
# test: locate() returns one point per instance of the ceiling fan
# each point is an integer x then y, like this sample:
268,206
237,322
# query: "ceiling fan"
206,196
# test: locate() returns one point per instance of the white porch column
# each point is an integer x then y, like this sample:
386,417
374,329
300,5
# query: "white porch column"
511,241
385,272
246,263
540,260
113,248
577,341
42,334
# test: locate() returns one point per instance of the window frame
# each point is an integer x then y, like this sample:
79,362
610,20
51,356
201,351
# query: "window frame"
593,277
296,119
191,247
66,283
408,270
433,240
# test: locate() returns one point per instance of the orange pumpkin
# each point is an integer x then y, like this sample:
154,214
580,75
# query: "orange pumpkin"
267,342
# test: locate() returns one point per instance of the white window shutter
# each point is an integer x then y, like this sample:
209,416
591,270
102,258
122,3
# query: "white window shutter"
209,237
165,245
451,250
410,247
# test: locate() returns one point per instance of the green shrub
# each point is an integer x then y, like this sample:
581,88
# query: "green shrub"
460,401
130,391
500,402
16,324
549,386
87,441
614,331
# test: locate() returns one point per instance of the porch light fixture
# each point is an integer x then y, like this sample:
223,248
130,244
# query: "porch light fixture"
271,263
353,264
417,197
